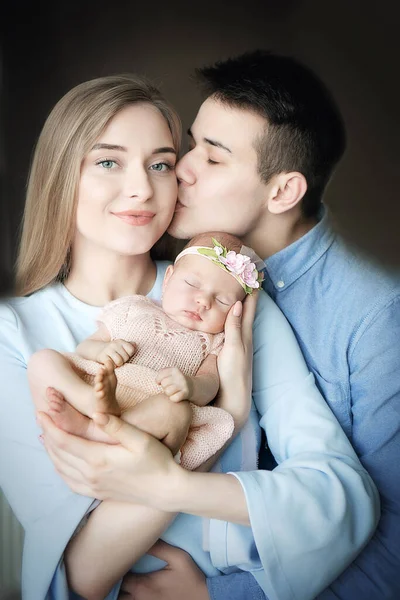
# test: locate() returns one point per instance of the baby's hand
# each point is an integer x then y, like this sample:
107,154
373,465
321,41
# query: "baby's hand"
175,384
119,351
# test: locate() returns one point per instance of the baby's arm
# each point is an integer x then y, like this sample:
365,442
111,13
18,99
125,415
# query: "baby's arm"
200,389
99,347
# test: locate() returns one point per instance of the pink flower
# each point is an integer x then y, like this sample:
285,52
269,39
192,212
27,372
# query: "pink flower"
250,276
235,262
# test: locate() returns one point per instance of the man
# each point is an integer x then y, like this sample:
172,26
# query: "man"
262,149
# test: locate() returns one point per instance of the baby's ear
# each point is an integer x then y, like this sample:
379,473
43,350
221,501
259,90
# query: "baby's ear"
168,273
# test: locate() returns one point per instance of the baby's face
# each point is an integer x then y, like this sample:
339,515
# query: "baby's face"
199,294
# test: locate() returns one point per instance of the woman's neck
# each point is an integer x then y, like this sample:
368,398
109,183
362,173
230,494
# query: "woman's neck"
99,276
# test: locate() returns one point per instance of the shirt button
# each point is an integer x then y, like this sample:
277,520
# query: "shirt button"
280,284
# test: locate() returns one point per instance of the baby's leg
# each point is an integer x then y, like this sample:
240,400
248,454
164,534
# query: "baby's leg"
70,396
167,421
48,368
69,419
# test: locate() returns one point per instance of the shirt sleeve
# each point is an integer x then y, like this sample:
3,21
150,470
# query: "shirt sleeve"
314,512
44,505
374,362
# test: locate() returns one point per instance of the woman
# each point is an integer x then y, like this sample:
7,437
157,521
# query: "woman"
102,192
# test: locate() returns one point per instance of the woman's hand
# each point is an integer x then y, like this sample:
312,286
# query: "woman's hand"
179,580
139,469
235,361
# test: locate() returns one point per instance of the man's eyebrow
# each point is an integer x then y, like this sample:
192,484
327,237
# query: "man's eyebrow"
211,142
124,149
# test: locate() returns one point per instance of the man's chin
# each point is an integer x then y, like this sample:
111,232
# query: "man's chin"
177,231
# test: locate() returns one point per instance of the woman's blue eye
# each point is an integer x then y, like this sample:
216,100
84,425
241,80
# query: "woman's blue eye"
106,164
161,167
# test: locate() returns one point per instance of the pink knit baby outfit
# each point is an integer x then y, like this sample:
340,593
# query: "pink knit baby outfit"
161,342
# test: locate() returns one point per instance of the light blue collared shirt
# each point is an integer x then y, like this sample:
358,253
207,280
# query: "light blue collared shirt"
345,312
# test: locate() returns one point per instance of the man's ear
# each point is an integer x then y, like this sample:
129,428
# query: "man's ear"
286,191
168,273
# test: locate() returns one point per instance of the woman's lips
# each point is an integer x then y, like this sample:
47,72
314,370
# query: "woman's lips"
139,217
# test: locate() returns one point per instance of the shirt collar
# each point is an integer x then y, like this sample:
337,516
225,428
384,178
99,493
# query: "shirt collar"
287,265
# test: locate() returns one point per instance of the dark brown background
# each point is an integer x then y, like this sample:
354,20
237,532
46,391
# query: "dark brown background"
49,47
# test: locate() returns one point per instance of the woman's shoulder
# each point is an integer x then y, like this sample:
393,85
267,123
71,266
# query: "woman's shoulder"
14,307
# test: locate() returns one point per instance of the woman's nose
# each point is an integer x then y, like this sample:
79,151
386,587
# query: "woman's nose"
137,185
185,169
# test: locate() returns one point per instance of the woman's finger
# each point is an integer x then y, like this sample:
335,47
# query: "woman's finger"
70,448
127,435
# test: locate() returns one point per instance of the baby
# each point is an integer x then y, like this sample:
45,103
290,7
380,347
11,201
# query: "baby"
156,358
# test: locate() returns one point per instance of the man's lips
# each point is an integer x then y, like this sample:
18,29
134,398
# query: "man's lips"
179,205
135,217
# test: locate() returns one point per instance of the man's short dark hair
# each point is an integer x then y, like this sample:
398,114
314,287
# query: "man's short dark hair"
304,130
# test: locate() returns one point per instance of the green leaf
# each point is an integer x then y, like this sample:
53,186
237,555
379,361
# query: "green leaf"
216,243
207,252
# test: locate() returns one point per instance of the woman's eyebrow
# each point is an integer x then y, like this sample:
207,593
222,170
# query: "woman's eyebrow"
109,147
160,150
164,149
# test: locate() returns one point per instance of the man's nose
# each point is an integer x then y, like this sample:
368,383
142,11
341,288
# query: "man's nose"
137,184
185,170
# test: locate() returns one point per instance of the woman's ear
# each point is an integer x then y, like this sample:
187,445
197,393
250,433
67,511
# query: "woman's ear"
287,191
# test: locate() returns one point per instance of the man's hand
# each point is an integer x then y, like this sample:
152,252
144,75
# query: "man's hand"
179,580
235,361
175,384
119,351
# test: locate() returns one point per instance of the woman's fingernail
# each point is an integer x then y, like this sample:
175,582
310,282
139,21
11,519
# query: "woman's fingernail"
237,309
41,439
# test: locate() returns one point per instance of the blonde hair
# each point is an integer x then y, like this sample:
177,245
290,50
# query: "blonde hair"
70,131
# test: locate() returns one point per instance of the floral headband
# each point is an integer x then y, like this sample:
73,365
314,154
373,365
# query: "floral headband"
242,266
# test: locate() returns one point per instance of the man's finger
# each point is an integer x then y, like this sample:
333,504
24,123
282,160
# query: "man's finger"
233,324
249,311
166,552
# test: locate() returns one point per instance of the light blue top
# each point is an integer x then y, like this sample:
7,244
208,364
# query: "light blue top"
345,313
310,517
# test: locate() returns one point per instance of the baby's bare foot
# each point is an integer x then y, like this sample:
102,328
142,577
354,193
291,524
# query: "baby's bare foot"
105,384
65,416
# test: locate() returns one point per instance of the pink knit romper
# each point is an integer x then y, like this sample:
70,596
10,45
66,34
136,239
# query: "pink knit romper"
161,342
